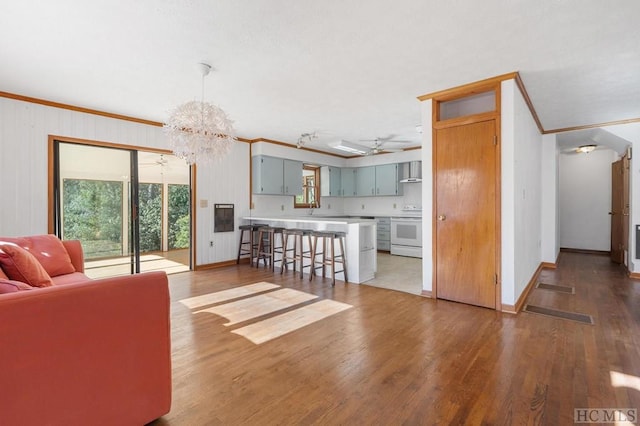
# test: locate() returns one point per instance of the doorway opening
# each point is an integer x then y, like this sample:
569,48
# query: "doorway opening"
593,194
130,208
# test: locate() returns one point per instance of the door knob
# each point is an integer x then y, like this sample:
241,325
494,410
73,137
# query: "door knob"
442,217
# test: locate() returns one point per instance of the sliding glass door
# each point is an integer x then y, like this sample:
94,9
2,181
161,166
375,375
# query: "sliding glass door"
123,205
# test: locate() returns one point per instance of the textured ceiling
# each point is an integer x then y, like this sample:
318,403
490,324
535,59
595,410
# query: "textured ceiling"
345,69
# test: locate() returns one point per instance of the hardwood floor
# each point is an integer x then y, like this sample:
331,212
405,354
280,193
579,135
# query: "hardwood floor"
397,358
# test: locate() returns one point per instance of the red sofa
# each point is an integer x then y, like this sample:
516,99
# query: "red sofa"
85,351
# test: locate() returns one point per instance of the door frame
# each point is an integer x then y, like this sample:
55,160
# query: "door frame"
51,184
437,123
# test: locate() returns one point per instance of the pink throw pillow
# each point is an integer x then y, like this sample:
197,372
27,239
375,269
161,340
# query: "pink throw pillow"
48,250
8,286
20,265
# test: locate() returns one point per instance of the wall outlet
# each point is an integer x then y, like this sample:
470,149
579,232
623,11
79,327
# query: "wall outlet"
328,206
204,203
363,207
282,207
394,205
210,243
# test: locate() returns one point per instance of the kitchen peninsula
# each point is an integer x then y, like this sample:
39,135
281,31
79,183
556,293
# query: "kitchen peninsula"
360,241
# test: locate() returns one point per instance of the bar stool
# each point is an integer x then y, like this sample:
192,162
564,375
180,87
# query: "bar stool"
299,253
327,239
267,248
248,247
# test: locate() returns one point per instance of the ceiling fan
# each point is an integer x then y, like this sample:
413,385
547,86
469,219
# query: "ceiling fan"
380,145
160,161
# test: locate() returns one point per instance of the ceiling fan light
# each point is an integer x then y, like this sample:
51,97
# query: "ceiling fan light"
585,149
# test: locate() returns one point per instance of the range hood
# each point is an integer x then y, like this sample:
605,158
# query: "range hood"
411,172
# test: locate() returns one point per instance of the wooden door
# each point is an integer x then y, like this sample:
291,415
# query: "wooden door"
466,225
617,210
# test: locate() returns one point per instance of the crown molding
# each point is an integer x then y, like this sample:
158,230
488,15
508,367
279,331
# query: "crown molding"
78,109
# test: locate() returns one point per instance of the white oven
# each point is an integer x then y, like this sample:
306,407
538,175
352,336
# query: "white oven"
406,236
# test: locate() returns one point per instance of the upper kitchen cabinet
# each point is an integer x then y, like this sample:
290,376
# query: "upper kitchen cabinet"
330,181
276,176
387,179
366,181
348,182
378,180
292,177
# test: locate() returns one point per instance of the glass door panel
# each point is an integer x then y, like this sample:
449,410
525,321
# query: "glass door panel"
179,220
95,206
150,199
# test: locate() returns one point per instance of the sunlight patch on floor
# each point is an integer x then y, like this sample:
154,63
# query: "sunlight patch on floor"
621,380
252,306
224,295
262,304
277,326
120,266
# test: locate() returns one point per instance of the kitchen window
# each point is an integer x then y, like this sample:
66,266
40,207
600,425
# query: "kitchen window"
310,197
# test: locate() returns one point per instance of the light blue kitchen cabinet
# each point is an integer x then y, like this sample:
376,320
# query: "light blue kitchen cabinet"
377,181
348,182
268,175
276,176
387,180
292,177
330,181
366,181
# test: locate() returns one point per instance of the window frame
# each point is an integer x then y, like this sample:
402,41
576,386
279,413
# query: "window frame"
307,188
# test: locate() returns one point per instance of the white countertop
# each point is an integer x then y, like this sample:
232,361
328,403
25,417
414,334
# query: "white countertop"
311,219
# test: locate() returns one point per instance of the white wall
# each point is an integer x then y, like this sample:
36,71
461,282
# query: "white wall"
585,200
223,182
24,131
527,195
427,196
550,248
507,200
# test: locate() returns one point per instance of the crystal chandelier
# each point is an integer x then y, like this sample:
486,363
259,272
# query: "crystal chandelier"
200,132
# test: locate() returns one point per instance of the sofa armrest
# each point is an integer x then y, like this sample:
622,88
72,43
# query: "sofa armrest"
95,353
74,248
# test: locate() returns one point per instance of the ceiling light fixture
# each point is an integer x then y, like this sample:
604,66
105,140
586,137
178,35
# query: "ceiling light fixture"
349,147
200,132
585,149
